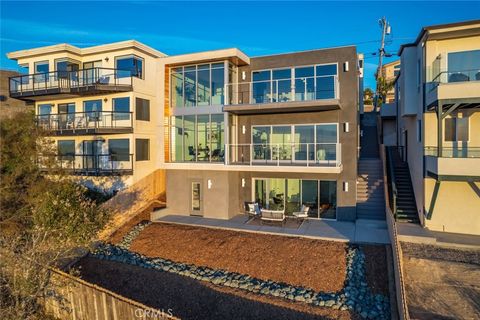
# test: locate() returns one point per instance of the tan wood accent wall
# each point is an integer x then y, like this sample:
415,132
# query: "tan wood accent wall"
167,115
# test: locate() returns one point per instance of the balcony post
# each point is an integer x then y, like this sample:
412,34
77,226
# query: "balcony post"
439,129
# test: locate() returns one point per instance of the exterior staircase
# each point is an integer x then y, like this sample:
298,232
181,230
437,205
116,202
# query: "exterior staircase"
406,205
370,192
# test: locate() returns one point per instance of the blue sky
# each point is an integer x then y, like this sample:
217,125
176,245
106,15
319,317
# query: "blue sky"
257,28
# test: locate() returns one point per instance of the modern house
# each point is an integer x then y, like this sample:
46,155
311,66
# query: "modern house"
390,71
279,130
98,105
438,125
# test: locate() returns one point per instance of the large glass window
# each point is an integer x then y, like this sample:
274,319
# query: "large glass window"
304,83
197,138
304,139
456,129
261,143
133,66
142,149
44,111
93,109
41,71
325,81
64,66
66,115
290,194
326,148
121,108
262,86
119,149
198,85
142,109
464,66
66,149
281,142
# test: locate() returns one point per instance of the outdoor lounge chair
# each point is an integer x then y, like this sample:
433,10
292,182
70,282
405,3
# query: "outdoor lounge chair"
273,216
303,213
252,209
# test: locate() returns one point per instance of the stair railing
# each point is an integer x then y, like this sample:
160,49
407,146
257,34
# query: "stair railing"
391,173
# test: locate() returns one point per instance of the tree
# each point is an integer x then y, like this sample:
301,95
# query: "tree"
384,86
43,218
368,96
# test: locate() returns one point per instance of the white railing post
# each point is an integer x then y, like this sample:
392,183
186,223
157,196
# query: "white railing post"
227,153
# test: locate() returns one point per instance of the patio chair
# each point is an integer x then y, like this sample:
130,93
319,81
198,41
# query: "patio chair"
273,216
303,213
321,154
252,209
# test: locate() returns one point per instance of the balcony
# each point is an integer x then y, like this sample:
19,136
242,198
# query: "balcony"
454,87
288,95
91,164
86,123
455,163
285,154
41,86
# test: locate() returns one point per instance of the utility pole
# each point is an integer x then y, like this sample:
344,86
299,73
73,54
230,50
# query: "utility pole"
381,52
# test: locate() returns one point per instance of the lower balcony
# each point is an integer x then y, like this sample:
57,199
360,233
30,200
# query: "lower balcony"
86,123
90,164
454,164
285,154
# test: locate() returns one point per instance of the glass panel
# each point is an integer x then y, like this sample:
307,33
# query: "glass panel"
462,129
42,68
177,89
217,138
281,143
66,148
66,115
293,196
44,111
261,143
218,85
304,138
327,70
93,110
464,66
196,196
203,86
119,149
310,196
326,148
261,86
282,85
190,87
121,108
276,194
203,145
325,88
132,64
177,139
328,199
91,151
142,150
304,84
261,192
89,73
190,150
450,129
327,133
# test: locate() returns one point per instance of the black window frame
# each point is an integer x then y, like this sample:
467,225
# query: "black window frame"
142,109
133,72
119,156
138,152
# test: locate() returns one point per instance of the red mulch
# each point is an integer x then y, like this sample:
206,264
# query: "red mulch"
376,268
315,264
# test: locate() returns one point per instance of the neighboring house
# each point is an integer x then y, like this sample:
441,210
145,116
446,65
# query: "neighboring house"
390,71
100,104
438,124
280,130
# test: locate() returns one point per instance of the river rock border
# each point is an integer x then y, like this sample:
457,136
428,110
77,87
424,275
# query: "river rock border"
355,295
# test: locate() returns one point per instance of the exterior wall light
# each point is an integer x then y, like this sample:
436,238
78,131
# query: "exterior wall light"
346,127
345,186
346,66
244,129
105,100
244,75
106,59
209,184
243,182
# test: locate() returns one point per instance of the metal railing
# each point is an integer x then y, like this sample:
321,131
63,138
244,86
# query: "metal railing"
284,154
454,76
85,120
453,152
392,187
89,164
283,90
69,80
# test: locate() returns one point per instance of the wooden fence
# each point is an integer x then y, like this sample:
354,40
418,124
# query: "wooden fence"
396,248
72,298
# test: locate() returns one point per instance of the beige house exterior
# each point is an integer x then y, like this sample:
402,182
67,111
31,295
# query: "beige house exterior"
438,124
390,71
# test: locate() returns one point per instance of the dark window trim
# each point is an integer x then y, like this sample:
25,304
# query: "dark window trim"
136,149
132,55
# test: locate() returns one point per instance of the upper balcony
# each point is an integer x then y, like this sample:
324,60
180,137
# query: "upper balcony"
86,123
453,86
65,84
310,93
454,163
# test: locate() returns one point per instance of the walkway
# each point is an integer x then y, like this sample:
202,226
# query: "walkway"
361,231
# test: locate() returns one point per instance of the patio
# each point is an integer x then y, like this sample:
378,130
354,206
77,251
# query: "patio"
361,231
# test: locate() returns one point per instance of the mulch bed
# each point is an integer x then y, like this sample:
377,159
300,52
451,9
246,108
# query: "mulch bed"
191,299
315,264
424,251
376,268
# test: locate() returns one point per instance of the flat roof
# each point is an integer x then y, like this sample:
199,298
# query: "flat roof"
233,54
15,55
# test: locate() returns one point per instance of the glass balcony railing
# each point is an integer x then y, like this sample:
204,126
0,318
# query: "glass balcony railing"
285,154
89,164
68,80
283,90
93,120
454,76
453,152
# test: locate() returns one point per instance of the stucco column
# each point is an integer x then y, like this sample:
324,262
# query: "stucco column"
440,129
